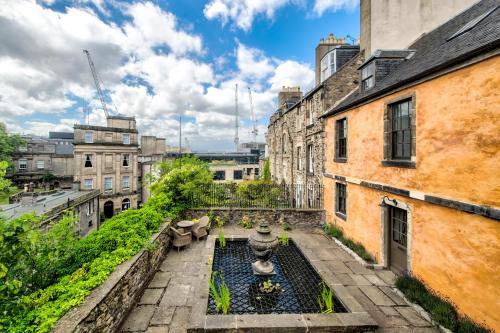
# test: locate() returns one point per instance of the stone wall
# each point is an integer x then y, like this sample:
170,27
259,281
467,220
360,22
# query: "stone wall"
294,217
108,305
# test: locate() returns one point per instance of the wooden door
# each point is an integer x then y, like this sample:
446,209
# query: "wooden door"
399,239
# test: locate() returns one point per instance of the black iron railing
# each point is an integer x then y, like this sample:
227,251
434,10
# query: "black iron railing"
227,195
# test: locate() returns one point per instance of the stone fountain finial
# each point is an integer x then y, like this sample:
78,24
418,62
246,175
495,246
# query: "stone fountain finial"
263,244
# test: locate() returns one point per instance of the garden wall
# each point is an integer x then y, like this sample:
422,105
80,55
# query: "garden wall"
294,217
108,305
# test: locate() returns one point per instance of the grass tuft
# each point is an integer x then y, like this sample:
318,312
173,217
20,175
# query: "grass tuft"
358,248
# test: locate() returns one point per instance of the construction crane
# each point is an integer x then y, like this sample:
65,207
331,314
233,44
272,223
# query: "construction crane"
354,41
254,121
236,121
96,82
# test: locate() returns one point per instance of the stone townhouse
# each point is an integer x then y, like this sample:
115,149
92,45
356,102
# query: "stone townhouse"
106,158
412,160
295,135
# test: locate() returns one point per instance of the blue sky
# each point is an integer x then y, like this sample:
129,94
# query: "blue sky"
161,58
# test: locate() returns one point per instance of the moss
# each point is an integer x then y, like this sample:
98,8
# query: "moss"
358,248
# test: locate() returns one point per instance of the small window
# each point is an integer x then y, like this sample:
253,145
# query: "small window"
125,204
310,168
341,138
299,158
89,137
40,165
88,184
340,198
237,174
256,172
367,77
126,139
401,130
126,160
309,113
23,148
399,221
23,164
90,207
108,184
126,182
249,171
90,224
219,175
88,160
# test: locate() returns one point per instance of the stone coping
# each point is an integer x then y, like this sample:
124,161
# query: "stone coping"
257,208
356,320
74,317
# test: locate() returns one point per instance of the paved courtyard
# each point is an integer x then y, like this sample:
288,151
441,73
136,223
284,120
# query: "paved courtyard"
166,304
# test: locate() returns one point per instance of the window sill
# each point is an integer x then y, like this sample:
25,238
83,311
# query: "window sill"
341,215
400,164
340,159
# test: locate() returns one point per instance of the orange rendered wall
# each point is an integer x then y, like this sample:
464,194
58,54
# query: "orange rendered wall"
458,157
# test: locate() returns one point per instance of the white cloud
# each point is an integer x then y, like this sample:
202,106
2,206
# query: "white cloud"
243,12
291,73
321,6
252,63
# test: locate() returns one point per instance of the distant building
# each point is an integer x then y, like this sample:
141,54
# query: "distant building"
45,162
106,158
152,151
85,205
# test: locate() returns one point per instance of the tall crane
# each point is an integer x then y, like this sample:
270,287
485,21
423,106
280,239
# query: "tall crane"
236,121
254,121
96,82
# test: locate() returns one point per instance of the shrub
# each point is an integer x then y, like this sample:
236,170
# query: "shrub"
440,310
358,248
245,222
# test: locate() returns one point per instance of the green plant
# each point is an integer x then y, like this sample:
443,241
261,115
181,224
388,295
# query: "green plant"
440,310
325,300
286,226
211,218
245,222
358,248
266,175
283,239
219,222
222,238
220,293
268,287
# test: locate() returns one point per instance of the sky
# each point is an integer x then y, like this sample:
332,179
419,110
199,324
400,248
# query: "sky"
160,59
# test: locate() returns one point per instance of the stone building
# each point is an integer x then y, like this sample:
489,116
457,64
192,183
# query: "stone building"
152,151
106,158
412,161
295,135
84,204
44,162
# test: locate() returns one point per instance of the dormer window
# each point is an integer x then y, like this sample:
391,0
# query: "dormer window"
367,76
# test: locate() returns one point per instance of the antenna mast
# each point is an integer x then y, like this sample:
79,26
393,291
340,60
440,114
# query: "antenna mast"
254,121
236,122
96,82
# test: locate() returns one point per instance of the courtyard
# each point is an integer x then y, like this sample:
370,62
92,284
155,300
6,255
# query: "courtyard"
176,298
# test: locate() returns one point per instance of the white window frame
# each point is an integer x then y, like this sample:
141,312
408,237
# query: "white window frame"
310,155
126,138
126,204
23,164
368,75
125,183
108,189
40,164
86,183
89,137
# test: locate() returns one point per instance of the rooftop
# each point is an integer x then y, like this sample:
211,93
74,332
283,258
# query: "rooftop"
437,50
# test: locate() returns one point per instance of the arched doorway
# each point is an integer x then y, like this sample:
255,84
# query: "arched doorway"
108,209
125,204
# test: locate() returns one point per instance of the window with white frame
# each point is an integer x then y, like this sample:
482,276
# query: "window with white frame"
299,158
88,184
125,204
367,77
40,165
89,137
126,160
23,164
126,139
126,182
108,184
87,160
90,207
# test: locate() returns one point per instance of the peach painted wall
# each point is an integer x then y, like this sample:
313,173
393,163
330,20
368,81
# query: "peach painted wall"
458,157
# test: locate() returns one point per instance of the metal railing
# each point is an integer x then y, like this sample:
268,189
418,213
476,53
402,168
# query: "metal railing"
230,195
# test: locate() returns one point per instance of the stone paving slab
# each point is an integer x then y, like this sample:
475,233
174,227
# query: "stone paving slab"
177,294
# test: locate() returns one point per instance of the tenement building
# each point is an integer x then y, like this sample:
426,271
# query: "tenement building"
412,160
295,135
106,158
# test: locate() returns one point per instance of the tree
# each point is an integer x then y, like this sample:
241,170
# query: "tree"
8,143
267,171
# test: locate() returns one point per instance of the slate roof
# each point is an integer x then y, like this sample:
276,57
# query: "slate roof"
436,50
61,135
